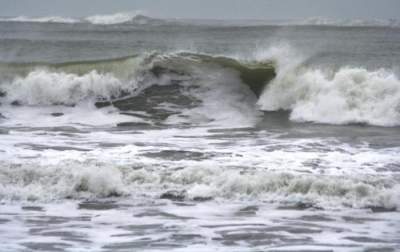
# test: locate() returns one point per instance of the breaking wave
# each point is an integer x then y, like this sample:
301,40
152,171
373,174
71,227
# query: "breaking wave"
68,83
189,84
279,77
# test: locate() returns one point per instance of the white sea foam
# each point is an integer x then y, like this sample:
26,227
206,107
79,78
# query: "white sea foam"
346,95
62,182
43,87
76,180
48,168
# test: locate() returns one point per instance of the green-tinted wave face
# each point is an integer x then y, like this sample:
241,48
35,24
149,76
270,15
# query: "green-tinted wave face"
121,67
254,74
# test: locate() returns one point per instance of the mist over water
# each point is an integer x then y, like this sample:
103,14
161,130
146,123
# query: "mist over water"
124,131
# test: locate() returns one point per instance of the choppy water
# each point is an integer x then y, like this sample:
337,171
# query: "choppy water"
155,135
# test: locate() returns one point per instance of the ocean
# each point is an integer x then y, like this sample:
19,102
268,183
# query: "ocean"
130,133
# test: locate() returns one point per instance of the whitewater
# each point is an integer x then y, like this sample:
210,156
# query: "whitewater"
122,131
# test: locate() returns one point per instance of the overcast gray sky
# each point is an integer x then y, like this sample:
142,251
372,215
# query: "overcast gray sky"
220,9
